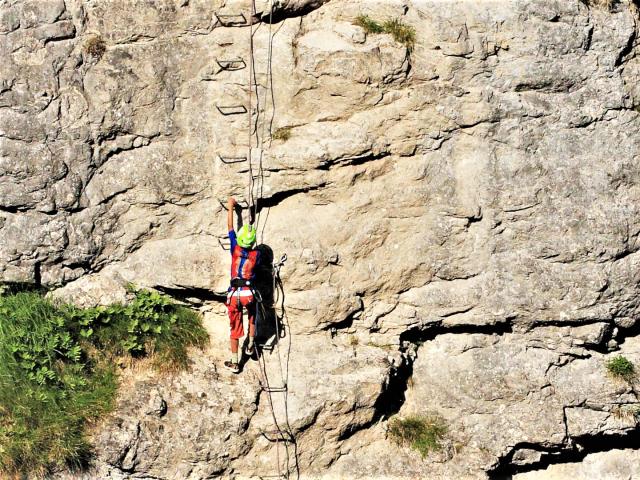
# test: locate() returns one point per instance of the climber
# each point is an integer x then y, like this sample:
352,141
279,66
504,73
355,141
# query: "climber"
244,259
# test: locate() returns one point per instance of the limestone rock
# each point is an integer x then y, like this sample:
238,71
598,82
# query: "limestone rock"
461,216
614,465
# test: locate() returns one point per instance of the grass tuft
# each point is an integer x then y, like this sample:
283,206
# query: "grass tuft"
283,133
170,348
401,32
622,368
629,413
57,373
422,433
368,24
95,46
604,4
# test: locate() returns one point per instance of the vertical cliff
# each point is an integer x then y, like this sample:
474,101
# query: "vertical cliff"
460,218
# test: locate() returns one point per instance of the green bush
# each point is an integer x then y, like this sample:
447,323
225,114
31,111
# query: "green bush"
56,369
422,433
621,367
401,32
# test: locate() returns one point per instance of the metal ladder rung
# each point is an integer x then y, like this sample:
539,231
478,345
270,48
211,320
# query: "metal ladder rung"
277,436
232,64
274,389
230,19
226,245
232,159
245,87
231,109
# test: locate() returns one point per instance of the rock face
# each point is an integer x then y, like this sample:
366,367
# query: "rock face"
460,218
613,465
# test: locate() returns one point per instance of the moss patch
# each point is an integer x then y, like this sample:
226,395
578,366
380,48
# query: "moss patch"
283,133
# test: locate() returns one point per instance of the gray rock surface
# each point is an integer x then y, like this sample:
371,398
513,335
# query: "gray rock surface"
461,219
612,465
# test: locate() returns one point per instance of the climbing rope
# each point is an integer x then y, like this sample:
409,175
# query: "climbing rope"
269,80
257,136
283,432
252,82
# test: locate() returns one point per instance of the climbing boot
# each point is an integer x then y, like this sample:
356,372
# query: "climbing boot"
233,366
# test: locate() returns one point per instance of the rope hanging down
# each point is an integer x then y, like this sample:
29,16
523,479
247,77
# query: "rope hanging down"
283,432
252,82
256,135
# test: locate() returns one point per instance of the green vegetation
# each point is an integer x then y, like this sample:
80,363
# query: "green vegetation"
620,367
95,46
401,32
606,4
283,133
368,24
383,346
629,412
57,374
422,433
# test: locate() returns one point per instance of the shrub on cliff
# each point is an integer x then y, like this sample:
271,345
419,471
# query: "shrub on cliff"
621,367
57,374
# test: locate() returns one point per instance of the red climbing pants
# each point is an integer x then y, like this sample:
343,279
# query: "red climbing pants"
235,304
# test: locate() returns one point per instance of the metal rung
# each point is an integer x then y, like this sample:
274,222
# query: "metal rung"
231,109
277,436
222,244
246,86
230,20
230,160
274,389
231,65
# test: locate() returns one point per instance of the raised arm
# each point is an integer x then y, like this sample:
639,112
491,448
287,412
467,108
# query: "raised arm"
230,209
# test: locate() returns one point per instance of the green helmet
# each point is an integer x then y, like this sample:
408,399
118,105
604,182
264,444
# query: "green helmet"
246,236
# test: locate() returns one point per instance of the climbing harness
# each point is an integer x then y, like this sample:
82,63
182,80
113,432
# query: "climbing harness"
240,282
